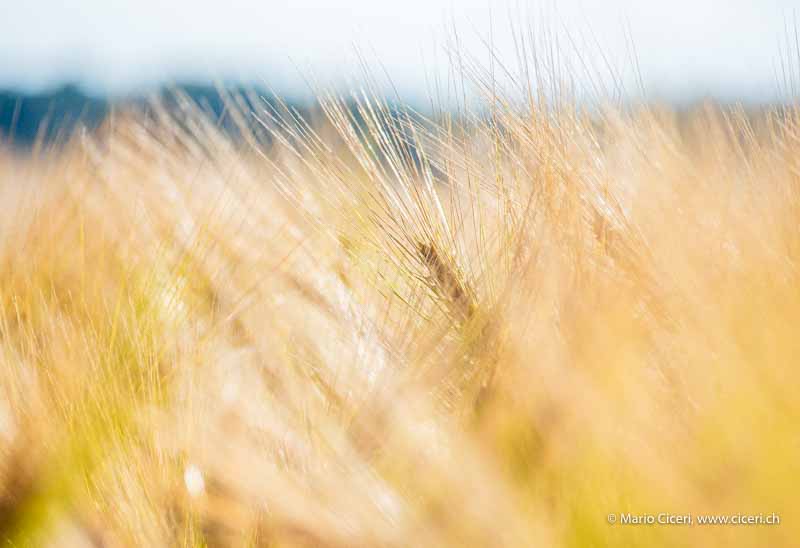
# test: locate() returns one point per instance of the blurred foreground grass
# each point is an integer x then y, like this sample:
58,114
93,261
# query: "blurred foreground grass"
375,329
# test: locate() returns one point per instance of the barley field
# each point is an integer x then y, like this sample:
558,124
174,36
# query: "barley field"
520,323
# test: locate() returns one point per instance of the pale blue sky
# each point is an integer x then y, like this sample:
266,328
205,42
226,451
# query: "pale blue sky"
728,48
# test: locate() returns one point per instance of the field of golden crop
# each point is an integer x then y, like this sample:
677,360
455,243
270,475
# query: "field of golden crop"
372,328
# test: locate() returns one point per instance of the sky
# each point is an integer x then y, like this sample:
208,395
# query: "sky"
730,49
